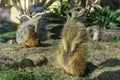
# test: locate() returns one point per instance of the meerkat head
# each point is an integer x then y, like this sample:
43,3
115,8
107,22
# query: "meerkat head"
77,13
31,27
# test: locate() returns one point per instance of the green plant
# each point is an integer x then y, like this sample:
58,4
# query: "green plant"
42,73
62,9
104,18
1,40
8,33
115,41
12,74
5,36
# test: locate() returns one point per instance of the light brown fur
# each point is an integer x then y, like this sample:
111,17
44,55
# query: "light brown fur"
31,40
73,47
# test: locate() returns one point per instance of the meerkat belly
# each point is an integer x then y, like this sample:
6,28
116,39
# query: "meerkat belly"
71,35
75,64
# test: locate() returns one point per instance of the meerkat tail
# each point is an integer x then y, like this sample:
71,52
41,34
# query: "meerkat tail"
21,46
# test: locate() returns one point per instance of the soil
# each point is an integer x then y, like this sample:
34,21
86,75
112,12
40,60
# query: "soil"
103,58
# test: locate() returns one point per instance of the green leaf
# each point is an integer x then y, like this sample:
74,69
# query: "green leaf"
105,17
118,18
112,25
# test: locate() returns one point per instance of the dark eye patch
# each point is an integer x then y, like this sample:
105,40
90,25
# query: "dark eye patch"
70,14
78,9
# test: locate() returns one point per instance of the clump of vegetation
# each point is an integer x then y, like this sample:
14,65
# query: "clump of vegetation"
115,41
62,9
12,74
9,33
42,73
104,18
6,36
1,39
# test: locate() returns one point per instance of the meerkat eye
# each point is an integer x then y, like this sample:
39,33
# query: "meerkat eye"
26,41
70,14
78,9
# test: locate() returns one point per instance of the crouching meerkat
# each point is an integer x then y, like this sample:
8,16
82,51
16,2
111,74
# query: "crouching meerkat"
31,40
73,47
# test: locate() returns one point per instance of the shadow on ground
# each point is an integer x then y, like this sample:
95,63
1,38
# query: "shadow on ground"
107,70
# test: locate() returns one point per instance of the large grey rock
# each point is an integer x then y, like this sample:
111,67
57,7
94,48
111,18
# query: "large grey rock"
5,13
109,35
5,24
47,26
97,34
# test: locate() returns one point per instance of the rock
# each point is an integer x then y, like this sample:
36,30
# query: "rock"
106,73
5,14
6,23
32,61
37,59
26,63
11,41
105,60
47,26
5,26
97,34
109,35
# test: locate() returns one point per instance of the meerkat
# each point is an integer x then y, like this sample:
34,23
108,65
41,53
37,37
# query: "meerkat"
73,47
31,40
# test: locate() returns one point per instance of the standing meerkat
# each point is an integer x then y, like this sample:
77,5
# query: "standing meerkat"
73,47
32,38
